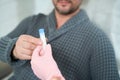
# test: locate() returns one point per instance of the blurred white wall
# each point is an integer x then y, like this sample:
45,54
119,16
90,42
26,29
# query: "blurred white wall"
13,11
105,13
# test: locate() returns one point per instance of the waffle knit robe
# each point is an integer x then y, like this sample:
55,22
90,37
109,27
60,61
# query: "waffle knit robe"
82,51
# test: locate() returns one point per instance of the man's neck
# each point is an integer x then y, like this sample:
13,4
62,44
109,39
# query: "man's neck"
62,19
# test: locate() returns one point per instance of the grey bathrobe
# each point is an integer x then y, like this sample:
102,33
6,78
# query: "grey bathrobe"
81,50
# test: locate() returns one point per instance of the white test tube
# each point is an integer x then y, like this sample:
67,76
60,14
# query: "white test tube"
42,37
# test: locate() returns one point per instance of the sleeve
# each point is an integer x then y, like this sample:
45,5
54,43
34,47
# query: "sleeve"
103,64
7,43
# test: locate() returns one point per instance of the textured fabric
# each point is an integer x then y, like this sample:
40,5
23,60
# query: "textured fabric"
81,50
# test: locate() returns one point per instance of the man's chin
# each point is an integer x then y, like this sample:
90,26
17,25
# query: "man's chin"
64,12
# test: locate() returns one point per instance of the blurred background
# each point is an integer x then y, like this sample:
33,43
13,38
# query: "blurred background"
106,13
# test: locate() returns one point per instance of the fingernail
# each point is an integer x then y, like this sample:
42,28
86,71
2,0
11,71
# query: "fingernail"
42,52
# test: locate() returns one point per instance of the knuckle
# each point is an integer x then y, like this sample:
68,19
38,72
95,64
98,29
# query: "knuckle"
32,47
22,36
29,46
29,53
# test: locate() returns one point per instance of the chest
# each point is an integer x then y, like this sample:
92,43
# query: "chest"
71,47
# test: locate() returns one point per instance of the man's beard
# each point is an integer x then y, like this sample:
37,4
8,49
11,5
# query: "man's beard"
64,0
72,10
67,12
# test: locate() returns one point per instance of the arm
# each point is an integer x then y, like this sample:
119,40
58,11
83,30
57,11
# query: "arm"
103,64
7,43
44,65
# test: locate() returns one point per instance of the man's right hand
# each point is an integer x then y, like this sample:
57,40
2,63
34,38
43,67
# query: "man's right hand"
24,47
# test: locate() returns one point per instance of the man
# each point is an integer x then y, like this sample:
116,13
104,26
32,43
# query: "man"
80,49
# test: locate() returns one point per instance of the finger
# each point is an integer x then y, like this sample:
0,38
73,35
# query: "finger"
42,52
32,40
36,52
46,52
25,57
27,52
21,50
28,45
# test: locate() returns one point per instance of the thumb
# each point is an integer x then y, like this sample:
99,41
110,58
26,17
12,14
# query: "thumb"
36,51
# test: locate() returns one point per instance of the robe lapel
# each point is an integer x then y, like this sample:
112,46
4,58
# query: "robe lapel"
54,33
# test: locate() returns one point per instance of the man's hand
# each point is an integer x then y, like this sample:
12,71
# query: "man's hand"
44,65
24,47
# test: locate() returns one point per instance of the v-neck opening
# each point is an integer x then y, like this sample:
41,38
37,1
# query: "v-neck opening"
71,23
